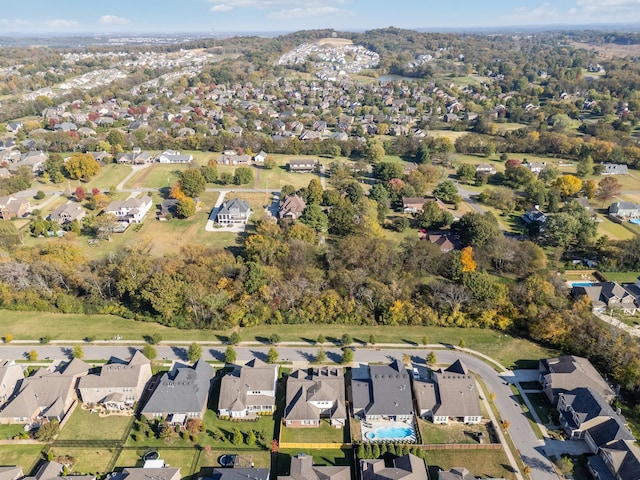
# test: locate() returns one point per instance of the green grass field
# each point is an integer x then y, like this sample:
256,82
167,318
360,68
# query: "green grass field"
613,230
31,326
156,176
621,277
84,425
432,434
182,458
7,432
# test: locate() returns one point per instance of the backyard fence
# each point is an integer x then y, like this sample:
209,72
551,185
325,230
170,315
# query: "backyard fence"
461,446
315,446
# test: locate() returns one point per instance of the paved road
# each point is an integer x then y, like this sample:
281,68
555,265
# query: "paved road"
527,444
467,196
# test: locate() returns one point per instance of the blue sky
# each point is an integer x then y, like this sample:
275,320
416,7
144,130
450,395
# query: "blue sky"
133,16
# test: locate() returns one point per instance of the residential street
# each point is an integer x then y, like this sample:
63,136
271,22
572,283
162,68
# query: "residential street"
529,447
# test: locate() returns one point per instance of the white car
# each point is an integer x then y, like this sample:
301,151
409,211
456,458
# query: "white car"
416,373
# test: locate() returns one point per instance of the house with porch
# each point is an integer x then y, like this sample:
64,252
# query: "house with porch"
304,165
313,395
132,210
625,209
173,156
381,392
235,211
13,207
118,385
248,390
413,204
181,393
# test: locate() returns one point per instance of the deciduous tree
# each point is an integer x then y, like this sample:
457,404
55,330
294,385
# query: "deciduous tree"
82,166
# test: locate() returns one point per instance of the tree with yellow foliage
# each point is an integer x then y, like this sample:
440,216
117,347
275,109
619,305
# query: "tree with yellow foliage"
81,166
176,192
568,185
467,261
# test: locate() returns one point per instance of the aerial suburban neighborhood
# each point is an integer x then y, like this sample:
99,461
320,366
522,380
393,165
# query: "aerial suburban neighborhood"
379,254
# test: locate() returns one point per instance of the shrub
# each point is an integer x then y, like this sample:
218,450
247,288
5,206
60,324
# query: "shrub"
39,195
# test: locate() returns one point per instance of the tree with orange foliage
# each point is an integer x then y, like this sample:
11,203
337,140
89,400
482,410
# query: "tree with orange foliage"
176,192
467,261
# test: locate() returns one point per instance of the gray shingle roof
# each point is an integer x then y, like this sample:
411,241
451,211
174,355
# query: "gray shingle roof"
386,391
184,390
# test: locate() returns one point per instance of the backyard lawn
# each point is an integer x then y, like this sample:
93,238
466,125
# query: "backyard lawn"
320,457
84,425
454,433
87,460
175,457
24,455
481,463
323,434
7,432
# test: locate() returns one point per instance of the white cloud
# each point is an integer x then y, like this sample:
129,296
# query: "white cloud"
221,8
61,23
545,13
113,20
283,5
293,13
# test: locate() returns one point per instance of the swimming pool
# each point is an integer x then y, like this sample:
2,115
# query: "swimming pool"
581,284
391,433
635,221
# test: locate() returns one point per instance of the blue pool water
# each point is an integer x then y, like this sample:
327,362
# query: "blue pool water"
635,221
581,284
389,433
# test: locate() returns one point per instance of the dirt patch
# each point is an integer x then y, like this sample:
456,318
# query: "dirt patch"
335,42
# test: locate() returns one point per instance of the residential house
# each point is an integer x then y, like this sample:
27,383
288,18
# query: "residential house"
168,209
313,395
234,159
291,207
132,210
234,211
450,118
582,409
303,165
53,471
605,432
564,374
181,393
625,209
535,167
14,127
622,459
11,473
381,392
413,204
34,161
148,472
118,385
485,169
10,377
450,394
67,213
248,390
260,157
136,157
407,467
609,295
46,395
458,473
614,169
534,215
13,207
239,474
302,468
172,156
65,127
445,241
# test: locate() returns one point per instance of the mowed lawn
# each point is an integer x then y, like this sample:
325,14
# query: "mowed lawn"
25,456
183,458
84,425
87,460
323,434
481,463
158,175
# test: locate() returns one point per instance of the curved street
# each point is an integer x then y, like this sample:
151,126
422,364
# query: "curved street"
528,446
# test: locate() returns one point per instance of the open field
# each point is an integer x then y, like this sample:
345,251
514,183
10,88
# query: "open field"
33,325
84,425
613,230
481,463
156,176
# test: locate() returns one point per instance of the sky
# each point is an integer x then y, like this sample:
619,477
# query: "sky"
211,16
